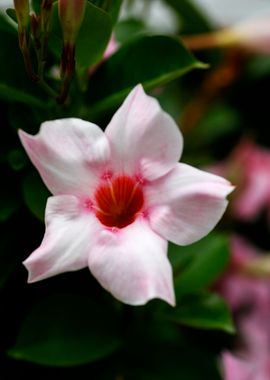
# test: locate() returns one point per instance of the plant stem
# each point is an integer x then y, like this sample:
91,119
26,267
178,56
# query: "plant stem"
45,87
201,41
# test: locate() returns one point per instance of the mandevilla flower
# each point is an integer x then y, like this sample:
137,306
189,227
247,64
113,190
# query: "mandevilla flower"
248,294
249,167
118,197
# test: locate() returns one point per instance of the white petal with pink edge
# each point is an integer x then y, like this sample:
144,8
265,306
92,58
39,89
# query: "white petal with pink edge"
186,204
144,138
69,155
132,264
70,233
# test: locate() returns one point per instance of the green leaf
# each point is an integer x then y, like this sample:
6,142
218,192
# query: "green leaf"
220,120
152,61
6,25
17,159
202,263
66,330
92,39
36,5
204,311
11,94
192,20
35,194
15,86
128,29
12,14
110,6
162,361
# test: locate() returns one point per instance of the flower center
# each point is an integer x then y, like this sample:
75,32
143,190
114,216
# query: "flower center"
118,201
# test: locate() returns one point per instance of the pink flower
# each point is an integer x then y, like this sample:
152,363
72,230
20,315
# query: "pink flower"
239,368
249,298
111,48
240,289
249,166
253,34
118,197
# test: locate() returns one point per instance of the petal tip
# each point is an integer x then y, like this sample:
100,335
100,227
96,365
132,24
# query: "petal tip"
23,135
30,278
27,140
138,90
33,269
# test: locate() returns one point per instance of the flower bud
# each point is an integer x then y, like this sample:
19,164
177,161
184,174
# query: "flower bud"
22,13
71,15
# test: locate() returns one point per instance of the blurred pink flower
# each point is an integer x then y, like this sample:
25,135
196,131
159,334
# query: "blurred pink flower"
238,368
112,47
249,168
118,197
239,289
249,298
253,34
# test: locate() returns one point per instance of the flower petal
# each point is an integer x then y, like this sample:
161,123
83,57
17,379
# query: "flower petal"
186,204
237,368
132,264
70,231
144,139
69,154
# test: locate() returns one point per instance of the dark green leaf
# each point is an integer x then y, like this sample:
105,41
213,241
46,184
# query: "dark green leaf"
258,67
152,61
36,4
128,29
35,194
17,159
15,86
110,6
6,25
12,14
162,361
221,119
201,264
92,39
204,311
66,330
192,20
11,94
